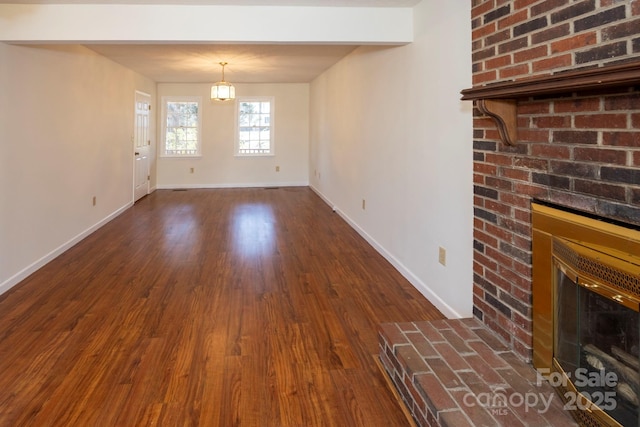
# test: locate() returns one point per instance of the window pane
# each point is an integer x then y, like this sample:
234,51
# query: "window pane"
254,130
181,128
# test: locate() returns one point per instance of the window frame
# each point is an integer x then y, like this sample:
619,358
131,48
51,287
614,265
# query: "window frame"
239,101
165,100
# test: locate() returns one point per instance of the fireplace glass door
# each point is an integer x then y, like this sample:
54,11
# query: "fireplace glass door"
596,342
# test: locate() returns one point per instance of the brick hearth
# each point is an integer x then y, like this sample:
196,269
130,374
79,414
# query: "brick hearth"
445,369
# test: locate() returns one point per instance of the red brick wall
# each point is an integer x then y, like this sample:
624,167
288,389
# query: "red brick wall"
577,150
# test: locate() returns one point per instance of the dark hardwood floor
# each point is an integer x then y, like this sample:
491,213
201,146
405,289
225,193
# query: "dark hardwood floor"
252,307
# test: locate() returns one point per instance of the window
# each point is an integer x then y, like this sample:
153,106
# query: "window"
181,126
255,126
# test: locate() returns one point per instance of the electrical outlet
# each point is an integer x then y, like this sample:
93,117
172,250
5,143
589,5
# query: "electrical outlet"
191,170
94,200
277,168
442,256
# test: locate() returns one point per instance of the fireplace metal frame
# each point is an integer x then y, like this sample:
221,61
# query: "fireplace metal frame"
611,274
590,238
547,223
615,278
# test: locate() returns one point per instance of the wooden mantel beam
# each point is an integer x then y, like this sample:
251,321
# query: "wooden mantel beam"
499,100
560,83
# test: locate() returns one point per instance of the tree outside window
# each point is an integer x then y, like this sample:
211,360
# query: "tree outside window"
181,120
255,126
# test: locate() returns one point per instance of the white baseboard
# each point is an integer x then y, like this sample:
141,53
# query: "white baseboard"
242,185
425,290
24,273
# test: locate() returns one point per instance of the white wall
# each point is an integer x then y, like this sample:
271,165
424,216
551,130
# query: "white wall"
66,128
218,167
387,126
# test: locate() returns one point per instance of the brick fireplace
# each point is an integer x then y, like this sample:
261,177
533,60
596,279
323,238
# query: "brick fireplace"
578,149
556,91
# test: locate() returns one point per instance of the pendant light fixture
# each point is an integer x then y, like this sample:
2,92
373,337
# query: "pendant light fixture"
223,91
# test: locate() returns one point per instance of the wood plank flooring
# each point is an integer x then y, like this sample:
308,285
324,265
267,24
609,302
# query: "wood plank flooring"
231,307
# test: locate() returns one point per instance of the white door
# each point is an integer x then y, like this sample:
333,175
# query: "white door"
141,143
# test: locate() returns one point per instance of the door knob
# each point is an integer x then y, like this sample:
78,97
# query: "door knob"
137,154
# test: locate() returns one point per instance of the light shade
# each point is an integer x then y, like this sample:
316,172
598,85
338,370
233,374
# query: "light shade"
223,91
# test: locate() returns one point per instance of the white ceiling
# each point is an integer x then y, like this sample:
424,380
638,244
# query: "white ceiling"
199,63
247,63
